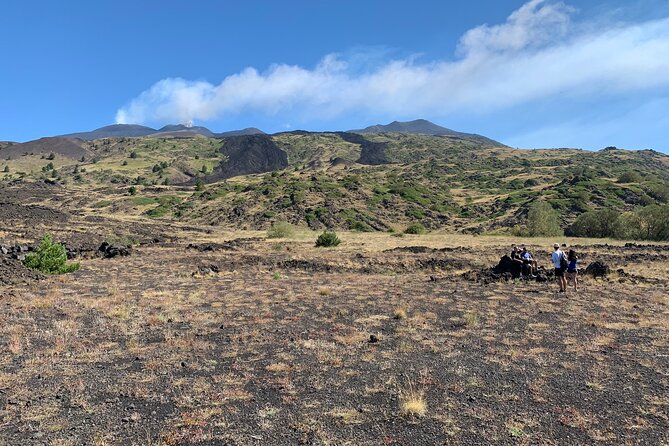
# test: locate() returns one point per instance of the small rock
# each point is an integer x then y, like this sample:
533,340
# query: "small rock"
373,339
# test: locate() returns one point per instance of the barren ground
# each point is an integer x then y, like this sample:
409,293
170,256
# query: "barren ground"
269,342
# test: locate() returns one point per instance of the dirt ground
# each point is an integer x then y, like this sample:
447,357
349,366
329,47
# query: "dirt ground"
241,340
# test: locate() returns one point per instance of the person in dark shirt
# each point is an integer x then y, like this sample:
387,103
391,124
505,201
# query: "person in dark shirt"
572,269
517,268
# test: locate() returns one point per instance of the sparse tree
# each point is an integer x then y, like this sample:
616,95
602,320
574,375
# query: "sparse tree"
543,220
199,184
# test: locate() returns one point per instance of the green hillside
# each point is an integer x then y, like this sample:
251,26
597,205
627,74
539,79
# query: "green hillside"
443,182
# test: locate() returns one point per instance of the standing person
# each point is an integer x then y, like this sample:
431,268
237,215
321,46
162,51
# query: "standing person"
572,269
560,264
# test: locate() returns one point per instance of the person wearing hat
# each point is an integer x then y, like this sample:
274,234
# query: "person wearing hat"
560,263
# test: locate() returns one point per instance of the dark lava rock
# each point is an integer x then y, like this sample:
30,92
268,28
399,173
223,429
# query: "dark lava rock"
372,153
110,251
13,272
508,265
209,269
248,154
597,269
541,277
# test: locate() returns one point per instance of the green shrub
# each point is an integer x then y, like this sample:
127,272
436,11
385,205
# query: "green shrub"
281,229
327,239
653,222
50,258
646,223
361,226
604,223
199,185
543,220
102,204
629,176
660,192
415,228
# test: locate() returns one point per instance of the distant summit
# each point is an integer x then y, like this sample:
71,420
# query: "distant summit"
242,132
424,127
168,131
113,131
184,130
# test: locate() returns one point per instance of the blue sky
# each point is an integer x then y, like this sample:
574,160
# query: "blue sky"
577,73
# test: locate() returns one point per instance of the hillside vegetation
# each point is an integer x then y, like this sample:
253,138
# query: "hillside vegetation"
366,182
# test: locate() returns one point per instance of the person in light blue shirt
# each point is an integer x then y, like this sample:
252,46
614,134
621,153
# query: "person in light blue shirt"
560,263
529,261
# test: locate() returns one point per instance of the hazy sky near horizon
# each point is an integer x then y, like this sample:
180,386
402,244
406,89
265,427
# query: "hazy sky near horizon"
534,73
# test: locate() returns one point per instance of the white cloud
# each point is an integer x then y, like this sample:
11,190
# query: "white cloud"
533,24
537,53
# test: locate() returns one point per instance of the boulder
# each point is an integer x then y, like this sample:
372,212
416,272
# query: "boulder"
597,269
109,251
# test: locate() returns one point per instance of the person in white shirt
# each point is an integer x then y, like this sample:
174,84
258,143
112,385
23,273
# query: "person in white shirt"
557,258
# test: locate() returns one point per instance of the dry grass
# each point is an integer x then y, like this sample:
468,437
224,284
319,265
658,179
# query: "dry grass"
412,402
399,313
237,354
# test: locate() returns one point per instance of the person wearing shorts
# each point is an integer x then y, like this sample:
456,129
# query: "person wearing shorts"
557,258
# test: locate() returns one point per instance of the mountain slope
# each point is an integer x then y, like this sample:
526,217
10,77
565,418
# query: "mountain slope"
368,181
425,127
113,131
72,148
248,154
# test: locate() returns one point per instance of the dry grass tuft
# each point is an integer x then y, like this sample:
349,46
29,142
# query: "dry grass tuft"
278,367
399,313
472,319
412,402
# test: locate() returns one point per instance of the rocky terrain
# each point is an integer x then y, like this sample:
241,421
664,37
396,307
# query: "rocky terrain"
201,336
175,332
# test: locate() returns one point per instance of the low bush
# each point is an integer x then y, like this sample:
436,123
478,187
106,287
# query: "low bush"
629,177
281,229
327,239
50,258
645,223
604,223
415,228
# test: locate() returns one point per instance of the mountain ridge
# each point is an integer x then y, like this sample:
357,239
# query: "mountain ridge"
423,127
417,126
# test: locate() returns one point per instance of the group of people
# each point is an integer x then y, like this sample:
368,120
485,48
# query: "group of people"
566,265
